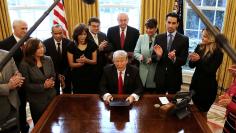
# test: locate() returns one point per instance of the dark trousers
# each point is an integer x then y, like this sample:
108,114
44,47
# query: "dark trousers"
24,126
167,87
11,124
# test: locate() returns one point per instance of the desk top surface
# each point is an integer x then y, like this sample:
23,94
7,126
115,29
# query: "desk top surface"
86,113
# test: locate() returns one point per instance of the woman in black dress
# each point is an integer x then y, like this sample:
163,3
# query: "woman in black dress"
82,58
207,58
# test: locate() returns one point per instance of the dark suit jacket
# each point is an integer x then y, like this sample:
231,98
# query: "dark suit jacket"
131,38
7,44
8,98
61,65
34,81
109,81
167,71
102,56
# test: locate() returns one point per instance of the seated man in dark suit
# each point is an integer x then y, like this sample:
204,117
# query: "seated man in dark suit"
120,78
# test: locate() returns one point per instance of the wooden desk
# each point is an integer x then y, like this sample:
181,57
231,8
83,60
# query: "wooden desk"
88,114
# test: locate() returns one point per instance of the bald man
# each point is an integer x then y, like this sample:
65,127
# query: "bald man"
129,34
20,28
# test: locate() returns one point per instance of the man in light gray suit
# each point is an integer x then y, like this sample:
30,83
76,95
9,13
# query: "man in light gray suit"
10,80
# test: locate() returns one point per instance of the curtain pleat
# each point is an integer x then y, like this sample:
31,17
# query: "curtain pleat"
5,23
155,9
79,12
229,30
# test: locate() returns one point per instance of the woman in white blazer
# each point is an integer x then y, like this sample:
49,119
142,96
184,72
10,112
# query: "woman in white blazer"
143,52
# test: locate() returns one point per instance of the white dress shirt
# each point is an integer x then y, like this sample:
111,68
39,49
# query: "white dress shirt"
136,97
55,42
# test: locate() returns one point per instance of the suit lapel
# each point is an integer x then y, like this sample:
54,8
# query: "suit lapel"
100,39
165,41
126,78
127,36
64,45
115,77
118,37
53,48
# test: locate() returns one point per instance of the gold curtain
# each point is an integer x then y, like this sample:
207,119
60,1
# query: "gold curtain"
79,12
229,30
155,9
5,23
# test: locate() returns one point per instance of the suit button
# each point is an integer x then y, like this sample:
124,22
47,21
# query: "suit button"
166,68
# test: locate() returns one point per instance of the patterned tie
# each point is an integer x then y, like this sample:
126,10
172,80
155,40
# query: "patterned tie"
122,39
120,83
170,41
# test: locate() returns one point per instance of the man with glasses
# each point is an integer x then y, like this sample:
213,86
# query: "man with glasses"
101,40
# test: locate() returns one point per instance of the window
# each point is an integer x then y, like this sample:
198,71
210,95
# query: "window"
109,10
214,11
31,11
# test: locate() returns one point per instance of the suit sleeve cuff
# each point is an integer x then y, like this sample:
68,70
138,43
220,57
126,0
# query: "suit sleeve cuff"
136,97
104,97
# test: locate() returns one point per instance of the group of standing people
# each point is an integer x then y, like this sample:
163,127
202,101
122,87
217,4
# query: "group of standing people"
78,65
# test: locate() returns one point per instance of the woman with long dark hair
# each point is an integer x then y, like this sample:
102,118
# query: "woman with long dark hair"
82,58
39,74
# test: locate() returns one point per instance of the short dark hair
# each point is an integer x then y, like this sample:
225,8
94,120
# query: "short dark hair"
151,23
56,26
173,14
93,19
30,49
78,30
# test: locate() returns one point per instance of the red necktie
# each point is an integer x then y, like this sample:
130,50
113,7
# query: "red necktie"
122,39
120,83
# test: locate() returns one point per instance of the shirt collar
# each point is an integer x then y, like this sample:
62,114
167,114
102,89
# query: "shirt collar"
17,38
123,72
124,29
57,42
93,34
173,33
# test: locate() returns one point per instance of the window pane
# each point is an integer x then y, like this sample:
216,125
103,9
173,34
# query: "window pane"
197,2
193,20
30,11
219,19
209,2
221,3
28,2
193,38
210,15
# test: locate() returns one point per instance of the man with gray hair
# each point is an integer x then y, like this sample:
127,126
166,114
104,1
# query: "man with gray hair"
123,37
20,28
120,78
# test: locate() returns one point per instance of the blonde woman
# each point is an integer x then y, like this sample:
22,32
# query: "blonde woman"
206,58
